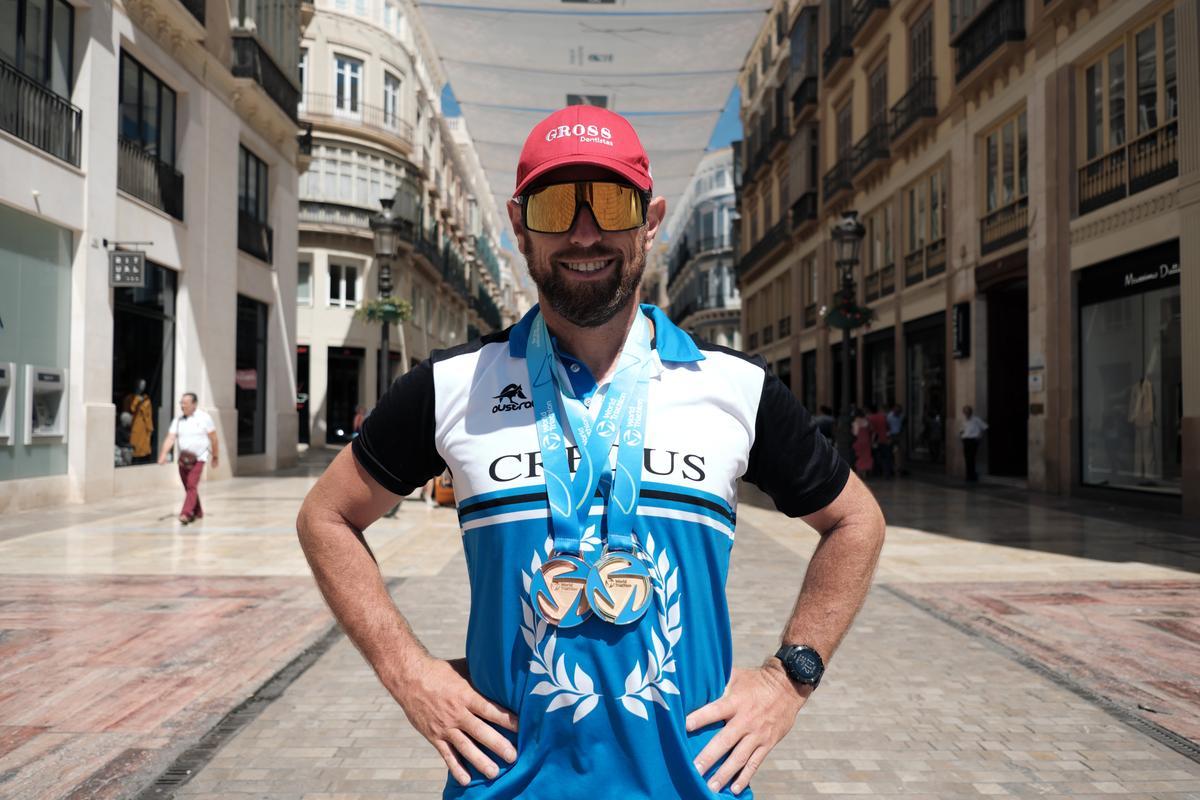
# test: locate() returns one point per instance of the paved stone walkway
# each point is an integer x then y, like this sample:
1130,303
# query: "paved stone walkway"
911,708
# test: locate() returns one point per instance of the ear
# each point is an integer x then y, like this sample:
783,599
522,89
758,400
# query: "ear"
514,217
656,212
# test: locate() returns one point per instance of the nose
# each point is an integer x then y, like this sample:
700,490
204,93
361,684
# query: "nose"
586,231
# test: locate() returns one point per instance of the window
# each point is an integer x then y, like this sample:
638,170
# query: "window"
961,12
36,37
914,215
252,186
304,282
348,84
925,211
804,44
844,143
1006,150
360,7
877,108
303,65
343,286
920,46
147,110
250,374
391,100
1144,63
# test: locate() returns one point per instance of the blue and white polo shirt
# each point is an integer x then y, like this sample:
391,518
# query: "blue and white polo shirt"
601,708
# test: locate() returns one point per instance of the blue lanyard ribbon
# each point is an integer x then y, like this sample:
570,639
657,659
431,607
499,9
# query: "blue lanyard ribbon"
621,422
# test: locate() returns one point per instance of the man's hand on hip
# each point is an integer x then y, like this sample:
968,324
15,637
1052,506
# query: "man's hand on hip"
444,707
759,707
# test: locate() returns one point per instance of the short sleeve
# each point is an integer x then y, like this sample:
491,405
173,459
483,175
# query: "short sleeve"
209,425
791,460
396,442
174,429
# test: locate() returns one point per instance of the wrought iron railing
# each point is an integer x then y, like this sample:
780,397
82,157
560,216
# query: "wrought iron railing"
770,240
838,48
1004,226
254,236
862,12
837,179
327,106
1000,22
887,280
919,101
935,258
753,340
804,210
914,266
35,114
810,315
314,212
871,286
1127,170
147,178
785,326
251,60
805,95
871,147
768,335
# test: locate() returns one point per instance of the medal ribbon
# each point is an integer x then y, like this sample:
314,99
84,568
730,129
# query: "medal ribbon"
621,420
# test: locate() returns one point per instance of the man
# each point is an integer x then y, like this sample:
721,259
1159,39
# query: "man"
564,690
971,432
196,434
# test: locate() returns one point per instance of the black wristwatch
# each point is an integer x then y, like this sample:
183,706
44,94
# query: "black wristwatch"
802,663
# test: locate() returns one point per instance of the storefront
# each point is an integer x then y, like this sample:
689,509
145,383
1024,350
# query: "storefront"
143,366
302,379
250,376
345,371
35,332
925,361
879,368
1130,361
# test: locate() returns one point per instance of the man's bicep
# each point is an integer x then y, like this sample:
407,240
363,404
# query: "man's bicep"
855,501
347,490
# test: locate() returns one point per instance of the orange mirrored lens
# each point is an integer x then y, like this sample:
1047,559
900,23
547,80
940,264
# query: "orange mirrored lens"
552,209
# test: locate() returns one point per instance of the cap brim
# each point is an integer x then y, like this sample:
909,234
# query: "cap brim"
634,176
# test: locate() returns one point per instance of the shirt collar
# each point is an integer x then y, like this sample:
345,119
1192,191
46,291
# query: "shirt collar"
670,343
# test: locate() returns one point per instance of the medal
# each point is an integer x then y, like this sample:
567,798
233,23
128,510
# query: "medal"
559,591
619,588
566,590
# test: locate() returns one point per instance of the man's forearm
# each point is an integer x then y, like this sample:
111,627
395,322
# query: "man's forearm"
836,584
352,585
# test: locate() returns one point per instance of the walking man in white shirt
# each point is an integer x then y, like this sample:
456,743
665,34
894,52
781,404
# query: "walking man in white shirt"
971,432
196,435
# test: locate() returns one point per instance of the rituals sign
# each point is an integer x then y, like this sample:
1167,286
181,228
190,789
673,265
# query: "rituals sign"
127,269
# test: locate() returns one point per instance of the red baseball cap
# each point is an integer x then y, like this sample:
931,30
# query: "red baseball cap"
585,135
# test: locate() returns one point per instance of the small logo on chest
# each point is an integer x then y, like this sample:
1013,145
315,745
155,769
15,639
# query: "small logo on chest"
511,398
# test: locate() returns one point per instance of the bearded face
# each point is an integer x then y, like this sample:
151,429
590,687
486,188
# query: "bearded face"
587,285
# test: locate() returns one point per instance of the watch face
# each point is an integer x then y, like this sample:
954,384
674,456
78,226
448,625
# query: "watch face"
803,664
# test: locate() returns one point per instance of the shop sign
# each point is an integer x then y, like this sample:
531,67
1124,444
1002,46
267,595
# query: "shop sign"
127,269
246,379
962,330
1161,272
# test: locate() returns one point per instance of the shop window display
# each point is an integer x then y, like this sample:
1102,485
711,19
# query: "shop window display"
1131,374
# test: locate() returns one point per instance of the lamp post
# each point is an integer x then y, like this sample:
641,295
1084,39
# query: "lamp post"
847,239
383,227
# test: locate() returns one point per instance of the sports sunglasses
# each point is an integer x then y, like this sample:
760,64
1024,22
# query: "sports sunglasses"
554,208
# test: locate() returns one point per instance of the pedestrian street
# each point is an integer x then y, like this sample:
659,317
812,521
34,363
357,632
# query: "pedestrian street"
1008,649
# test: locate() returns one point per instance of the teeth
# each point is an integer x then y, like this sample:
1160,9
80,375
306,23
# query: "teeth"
586,266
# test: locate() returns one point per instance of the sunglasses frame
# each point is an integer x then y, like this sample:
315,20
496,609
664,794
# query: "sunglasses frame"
523,201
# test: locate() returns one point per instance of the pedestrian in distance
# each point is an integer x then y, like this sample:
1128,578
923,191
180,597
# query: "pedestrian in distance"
824,422
196,436
863,444
895,423
599,659
971,431
881,440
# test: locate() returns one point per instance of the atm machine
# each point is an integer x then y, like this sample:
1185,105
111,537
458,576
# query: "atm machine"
8,402
45,404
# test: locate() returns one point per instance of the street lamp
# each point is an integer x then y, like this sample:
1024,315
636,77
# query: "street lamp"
847,240
384,228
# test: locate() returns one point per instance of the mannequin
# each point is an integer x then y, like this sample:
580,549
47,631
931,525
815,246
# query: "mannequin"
141,407
1141,414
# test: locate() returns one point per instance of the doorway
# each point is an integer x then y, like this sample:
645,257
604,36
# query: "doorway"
1007,379
342,397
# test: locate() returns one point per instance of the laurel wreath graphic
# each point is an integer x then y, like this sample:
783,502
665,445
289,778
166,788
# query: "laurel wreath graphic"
576,688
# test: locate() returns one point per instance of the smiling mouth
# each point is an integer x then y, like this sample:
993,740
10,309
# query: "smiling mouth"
584,267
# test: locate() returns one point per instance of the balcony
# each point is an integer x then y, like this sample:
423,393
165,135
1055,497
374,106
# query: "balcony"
914,266
1001,22
837,180
334,215
251,61
775,236
1004,226
810,315
805,97
864,20
872,149
918,103
382,124
887,280
871,286
145,177
35,114
935,258
254,237
1146,161
804,210
839,52
785,327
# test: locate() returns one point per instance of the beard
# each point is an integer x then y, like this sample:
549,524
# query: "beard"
588,305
